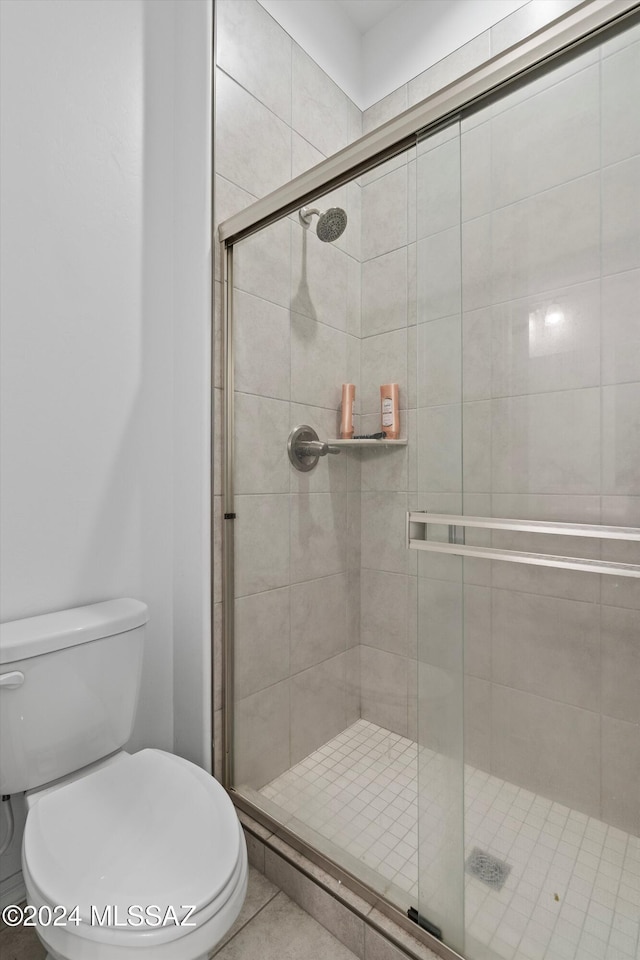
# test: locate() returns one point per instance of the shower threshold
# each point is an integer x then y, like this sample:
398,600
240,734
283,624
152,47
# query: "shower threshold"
573,885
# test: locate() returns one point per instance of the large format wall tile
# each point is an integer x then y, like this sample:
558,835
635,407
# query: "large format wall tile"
477,354
621,439
383,360
548,747
254,50
354,298
564,508
477,723
620,591
318,621
546,646
547,581
476,263
477,631
384,611
439,352
383,531
621,663
620,327
384,293
350,199
241,123
386,468
440,449
621,774
318,535
319,108
262,351
317,706
261,641
383,678
547,443
261,736
476,446
261,430
439,281
319,362
546,343
620,234
475,170
352,686
261,543
620,98
547,139
437,187
384,214
303,156
546,241
440,623
262,265
319,273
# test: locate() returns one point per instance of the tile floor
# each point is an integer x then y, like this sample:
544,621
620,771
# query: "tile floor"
573,890
270,927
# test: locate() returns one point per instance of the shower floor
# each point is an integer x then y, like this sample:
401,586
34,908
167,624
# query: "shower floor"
573,890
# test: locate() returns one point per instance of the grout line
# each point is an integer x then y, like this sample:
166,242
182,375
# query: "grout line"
248,921
516,818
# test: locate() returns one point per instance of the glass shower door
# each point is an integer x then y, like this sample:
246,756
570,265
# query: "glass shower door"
528,411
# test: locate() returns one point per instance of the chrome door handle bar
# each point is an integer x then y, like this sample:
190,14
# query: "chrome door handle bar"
416,523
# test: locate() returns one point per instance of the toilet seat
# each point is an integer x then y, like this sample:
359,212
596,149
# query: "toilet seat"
149,829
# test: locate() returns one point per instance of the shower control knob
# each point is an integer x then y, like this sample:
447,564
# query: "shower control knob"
305,448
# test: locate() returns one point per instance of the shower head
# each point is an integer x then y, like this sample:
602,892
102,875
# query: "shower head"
331,224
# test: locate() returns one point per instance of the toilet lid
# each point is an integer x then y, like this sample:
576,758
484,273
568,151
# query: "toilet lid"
148,830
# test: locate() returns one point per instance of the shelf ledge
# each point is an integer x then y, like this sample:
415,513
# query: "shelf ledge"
367,443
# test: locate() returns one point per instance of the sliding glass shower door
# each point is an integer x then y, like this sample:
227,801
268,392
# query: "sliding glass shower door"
447,715
526,514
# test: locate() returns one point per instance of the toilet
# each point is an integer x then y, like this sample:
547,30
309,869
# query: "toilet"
134,855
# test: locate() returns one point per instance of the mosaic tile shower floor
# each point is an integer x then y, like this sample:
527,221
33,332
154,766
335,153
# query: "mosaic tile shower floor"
573,890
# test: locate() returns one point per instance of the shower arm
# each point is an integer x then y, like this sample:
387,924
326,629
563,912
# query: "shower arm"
306,213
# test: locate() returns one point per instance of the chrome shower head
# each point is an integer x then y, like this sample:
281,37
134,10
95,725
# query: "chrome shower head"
331,224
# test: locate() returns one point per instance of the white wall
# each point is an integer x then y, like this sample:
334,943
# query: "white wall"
191,35
105,320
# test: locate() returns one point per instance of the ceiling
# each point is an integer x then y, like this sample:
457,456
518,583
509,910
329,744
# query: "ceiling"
365,14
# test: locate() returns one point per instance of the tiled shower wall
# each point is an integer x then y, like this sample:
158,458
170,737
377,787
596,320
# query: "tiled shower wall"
304,642
551,429
550,200
297,316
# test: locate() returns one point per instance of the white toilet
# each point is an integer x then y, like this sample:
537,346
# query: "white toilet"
146,845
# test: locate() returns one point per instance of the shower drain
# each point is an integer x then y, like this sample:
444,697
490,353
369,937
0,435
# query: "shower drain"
487,868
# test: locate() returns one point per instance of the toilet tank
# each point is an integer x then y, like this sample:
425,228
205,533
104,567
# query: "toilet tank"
69,685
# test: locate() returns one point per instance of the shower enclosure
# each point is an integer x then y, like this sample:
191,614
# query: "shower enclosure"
433,646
